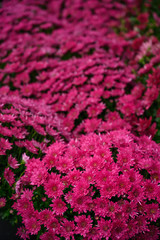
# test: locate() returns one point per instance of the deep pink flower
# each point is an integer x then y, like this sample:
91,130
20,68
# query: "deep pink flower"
54,187
81,188
141,223
91,124
65,164
93,234
103,178
22,232
119,229
74,176
101,205
67,229
151,94
88,176
153,234
124,158
13,162
109,189
32,225
50,235
123,185
27,193
27,90
24,207
9,176
136,192
39,175
54,225
130,209
2,202
80,204
105,228
53,153
153,211
45,216
151,190
84,224
58,206
95,110
95,163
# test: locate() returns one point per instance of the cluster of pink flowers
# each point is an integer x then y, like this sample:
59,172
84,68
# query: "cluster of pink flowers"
75,57
85,76
97,187
27,127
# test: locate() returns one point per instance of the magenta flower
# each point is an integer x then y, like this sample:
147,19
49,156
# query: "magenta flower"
83,225
9,176
2,202
13,162
32,225
58,206
22,232
53,188
49,235
67,229
105,228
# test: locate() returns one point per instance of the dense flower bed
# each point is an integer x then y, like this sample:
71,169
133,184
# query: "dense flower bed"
49,47
96,187
69,69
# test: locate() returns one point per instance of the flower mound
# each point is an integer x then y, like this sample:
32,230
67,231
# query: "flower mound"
96,187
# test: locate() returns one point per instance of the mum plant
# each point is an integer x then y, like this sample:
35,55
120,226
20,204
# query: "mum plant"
95,187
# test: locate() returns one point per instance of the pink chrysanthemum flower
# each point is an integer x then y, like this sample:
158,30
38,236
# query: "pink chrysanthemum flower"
53,153
65,165
32,225
95,110
130,209
105,228
39,175
13,162
22,232
151,189
24,207
2,202
54,225
136,193
100,208
153,234
45,216
67,229
81,188
109,189
94,234
84,224
9,176
74,176
141,223
124,158
80,203
92,125
27,194
58,206
50,235
153,211
119,229
54,187
123,185
88,176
